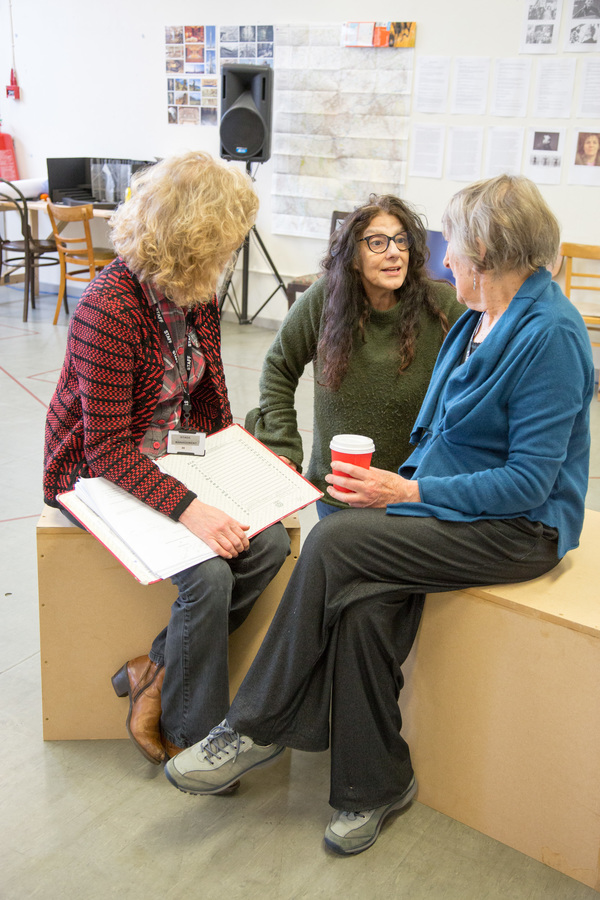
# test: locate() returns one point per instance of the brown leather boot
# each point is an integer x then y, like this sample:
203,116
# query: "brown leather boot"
171,749
142,680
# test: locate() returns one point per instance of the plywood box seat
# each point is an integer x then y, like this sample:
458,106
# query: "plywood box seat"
501,705
502,710
94,616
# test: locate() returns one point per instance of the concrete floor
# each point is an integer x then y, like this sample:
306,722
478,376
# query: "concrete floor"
91,820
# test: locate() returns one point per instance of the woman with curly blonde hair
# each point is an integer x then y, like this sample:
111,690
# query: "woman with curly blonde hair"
143,362
185,217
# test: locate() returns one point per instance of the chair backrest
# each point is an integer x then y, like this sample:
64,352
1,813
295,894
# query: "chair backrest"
79,250
10,194
337,218
437,244
573,252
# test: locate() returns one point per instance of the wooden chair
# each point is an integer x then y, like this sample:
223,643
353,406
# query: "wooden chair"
303,282
75,251
579,252
29,253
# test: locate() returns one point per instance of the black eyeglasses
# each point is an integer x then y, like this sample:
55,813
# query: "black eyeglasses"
378,243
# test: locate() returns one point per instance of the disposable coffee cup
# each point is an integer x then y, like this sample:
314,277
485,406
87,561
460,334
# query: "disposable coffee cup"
351,448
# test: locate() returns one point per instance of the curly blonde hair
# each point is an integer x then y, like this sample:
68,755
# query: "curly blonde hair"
185,217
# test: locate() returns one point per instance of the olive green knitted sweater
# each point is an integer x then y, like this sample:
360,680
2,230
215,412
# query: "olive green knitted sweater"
374,398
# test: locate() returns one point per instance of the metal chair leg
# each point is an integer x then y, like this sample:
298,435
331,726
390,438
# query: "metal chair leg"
26,294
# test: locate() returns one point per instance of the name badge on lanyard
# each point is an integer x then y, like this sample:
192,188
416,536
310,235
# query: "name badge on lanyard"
189,442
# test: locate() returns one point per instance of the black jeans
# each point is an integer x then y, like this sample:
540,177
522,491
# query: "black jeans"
331,661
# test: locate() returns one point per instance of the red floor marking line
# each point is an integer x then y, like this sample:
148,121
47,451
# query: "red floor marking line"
16,381
38,376
19,519
20,332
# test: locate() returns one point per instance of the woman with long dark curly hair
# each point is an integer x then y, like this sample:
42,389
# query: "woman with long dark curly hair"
372,326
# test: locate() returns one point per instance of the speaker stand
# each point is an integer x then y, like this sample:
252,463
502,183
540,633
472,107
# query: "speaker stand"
227,290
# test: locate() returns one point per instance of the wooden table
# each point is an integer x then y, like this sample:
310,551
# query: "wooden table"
34,208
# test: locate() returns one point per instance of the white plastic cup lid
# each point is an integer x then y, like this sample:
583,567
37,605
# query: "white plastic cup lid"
351,443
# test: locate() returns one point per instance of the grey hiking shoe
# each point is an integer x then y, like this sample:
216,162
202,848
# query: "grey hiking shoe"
353,832
218,761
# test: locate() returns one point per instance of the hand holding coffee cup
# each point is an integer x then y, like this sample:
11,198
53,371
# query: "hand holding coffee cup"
351,448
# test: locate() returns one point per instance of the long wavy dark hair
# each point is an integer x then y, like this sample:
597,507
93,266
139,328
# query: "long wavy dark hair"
347,307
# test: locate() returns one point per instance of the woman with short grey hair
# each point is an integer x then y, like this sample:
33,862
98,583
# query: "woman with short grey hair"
493,492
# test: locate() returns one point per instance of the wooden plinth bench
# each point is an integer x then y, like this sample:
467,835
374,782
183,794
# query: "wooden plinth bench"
502,710
94,615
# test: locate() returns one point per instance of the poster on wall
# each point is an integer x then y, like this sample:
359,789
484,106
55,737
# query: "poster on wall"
545,151
541,26
583,27
192,54
247,44
584,158
191,66
340,125
379,34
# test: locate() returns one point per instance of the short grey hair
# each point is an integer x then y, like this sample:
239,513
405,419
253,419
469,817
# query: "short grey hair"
508,218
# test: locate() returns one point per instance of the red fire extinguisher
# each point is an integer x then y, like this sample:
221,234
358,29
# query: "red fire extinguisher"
8,160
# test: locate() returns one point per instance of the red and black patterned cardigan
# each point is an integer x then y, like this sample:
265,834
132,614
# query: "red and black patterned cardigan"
108,389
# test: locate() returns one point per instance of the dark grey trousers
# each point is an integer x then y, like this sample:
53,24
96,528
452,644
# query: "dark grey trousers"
331,661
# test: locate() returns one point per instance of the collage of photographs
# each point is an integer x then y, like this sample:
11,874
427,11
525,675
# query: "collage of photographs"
192,55
582,33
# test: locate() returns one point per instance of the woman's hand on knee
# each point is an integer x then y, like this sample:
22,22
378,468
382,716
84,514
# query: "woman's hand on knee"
223,534
375,488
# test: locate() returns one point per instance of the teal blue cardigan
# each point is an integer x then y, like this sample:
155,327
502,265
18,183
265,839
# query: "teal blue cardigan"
506,433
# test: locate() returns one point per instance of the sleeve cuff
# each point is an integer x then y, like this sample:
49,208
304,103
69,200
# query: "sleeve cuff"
182,505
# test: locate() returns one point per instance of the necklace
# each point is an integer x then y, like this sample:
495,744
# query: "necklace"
472,344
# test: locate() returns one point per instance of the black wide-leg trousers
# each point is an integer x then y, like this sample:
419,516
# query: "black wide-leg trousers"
331,660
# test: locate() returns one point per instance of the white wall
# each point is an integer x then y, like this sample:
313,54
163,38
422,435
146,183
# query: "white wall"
93,84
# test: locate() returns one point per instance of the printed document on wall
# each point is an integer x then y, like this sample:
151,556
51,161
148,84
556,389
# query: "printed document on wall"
554,88
504,151
470,85
427,151
510,91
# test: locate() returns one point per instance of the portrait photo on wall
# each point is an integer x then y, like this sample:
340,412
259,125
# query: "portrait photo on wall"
545,154
545,140
588,149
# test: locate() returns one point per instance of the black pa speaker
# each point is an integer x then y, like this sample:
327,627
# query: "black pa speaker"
246,106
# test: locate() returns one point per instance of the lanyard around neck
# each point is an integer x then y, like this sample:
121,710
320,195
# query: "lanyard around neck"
185,382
